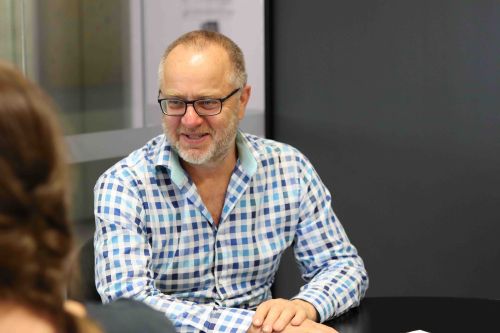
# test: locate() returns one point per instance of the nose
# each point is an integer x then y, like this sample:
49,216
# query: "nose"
191,118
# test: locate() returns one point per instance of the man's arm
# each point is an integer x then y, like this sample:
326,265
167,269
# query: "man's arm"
336,276
123,260
337,279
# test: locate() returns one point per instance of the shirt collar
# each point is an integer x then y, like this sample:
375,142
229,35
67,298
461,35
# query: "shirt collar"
245,155
169,158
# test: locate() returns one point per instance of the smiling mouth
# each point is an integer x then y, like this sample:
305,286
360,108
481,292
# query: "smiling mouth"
194,136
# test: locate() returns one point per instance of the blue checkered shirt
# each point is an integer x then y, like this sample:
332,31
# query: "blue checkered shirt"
155,240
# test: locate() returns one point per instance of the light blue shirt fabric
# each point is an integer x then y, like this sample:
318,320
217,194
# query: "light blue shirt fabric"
155,240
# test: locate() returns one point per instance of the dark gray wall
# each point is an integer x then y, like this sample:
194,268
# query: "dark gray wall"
397,104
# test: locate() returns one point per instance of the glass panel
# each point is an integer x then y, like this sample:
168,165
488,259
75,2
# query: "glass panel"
79,52
10,31
83,55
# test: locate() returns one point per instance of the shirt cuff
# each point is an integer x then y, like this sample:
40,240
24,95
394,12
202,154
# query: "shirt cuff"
231,320
324,308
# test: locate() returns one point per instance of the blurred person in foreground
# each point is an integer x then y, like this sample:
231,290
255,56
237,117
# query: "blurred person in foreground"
35,234
36,240
195,222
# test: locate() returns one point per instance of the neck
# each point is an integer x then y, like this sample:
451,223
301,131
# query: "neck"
18,318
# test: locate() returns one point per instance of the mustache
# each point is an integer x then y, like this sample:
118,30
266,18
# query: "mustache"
186,131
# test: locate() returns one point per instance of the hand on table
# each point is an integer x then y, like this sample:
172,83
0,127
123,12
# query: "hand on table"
276,314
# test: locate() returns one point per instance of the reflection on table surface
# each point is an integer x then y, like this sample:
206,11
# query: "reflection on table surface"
430,314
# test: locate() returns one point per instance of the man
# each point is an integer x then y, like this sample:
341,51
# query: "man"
194,223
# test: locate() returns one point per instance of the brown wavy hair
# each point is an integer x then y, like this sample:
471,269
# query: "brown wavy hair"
36,239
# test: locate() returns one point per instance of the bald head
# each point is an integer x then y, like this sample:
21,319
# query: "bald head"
200,40
193,73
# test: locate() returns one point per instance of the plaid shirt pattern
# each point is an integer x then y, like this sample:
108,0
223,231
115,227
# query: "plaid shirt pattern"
155,240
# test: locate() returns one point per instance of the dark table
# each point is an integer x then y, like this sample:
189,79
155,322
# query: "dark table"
430,314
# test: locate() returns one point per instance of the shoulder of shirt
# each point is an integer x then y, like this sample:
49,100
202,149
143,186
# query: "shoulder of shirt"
138,163
263,148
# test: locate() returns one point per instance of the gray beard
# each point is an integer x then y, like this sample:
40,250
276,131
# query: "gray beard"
217,151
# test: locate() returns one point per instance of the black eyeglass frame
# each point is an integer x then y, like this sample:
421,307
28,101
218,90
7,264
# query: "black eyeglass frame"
192,102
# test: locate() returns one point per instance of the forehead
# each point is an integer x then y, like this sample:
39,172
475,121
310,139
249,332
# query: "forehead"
190,66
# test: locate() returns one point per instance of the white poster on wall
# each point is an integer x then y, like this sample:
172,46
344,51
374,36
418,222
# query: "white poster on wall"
240,20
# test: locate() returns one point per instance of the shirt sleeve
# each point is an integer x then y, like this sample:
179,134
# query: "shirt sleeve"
123,261
337,279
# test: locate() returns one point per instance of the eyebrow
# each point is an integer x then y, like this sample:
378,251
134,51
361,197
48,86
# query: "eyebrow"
183,97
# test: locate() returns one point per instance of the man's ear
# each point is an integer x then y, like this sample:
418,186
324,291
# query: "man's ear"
244,98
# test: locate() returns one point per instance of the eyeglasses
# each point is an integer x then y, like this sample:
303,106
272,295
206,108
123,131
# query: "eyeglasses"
203,107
